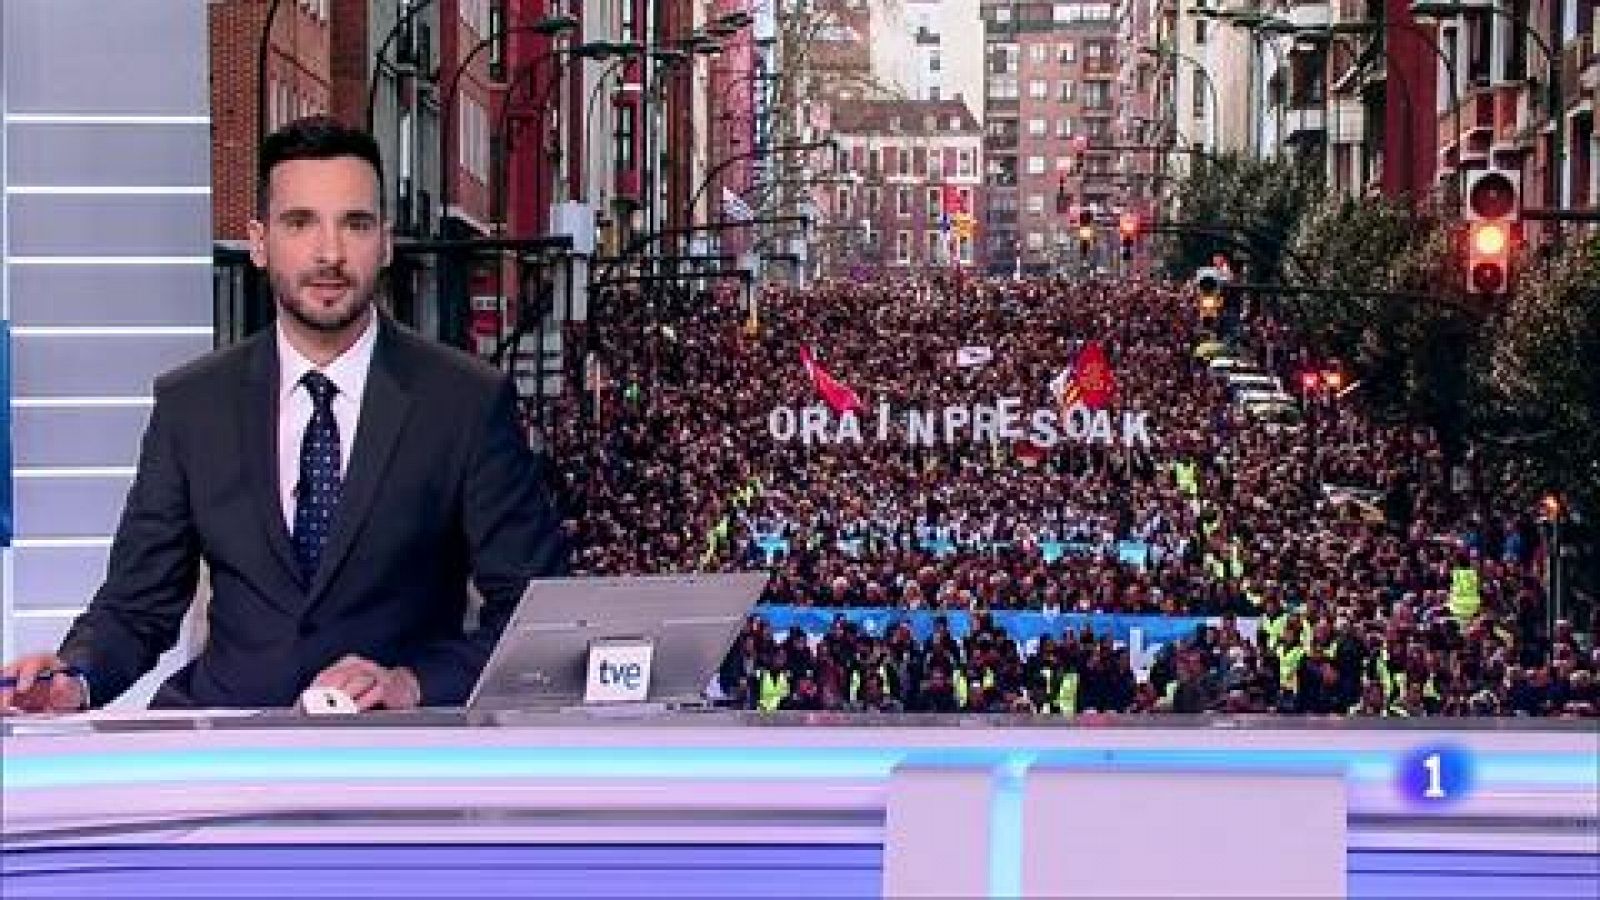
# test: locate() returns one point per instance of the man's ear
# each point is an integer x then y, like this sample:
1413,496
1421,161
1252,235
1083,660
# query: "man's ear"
256,230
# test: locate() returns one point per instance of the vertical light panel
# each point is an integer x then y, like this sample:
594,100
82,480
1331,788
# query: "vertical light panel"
105,272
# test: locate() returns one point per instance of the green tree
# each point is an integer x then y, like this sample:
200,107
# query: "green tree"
1540,380
1410,339
1244,207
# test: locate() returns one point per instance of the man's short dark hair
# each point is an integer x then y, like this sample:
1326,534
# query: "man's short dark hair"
315,137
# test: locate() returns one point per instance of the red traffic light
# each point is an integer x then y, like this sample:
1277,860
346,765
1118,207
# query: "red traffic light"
1309,381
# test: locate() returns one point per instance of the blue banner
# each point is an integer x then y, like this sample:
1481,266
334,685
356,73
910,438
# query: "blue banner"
1142,634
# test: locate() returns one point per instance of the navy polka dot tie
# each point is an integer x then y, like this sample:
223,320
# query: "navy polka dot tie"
318,494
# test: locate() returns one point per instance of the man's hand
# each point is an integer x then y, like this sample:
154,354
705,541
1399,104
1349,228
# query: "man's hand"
370,685
36,691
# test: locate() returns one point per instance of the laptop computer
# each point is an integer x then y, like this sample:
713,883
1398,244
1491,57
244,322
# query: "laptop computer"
541,661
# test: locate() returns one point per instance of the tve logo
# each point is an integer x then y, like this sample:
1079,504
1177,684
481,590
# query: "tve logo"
619,671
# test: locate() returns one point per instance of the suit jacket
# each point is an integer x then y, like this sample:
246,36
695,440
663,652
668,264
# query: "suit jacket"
441,486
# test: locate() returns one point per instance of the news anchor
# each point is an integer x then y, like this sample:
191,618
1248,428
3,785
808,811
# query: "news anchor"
340,477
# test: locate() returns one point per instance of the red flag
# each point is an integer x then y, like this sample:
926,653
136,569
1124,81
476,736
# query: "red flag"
952,200
1091,382
838,396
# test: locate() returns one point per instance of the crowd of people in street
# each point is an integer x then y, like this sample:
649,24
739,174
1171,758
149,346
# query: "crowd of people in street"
1350,563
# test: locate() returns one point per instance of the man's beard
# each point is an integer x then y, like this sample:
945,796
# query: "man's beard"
333,320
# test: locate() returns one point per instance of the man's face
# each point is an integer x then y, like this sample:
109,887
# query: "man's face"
323,241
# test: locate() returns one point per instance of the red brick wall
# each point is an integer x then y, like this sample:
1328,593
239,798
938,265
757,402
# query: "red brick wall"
347,65
298,58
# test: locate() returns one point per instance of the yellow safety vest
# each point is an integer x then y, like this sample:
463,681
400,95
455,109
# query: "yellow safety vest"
774,687
1067,694
1464,596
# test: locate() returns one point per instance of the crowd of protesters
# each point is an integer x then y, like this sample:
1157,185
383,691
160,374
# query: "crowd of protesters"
1382,576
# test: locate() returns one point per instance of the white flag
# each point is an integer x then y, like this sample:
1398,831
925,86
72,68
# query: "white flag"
734,207
974,356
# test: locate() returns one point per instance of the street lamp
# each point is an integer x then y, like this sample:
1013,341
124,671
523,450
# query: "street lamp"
540,95
554,27
1205,75
1255,22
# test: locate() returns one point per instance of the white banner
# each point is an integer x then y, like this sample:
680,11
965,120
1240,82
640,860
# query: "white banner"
974,356
1004,420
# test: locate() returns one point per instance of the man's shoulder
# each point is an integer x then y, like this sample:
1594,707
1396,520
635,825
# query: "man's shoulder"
434,366
214,371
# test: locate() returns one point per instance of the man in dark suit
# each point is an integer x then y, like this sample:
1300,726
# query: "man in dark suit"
340,477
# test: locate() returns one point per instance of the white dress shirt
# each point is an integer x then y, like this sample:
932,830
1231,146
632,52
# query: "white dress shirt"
349,374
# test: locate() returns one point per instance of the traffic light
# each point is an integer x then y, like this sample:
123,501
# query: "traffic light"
1128,230
1492,206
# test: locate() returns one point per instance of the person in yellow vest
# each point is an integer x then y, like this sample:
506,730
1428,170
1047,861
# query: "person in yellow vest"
1465,597
773,682
1065,700
772,688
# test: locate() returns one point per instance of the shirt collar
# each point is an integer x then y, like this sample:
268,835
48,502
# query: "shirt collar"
348,371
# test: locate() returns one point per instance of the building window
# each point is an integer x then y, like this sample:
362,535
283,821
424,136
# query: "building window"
1066,52
844,201
935,204
1035,165
872,201
905,161
1038,89
902,202
1002,14
874,161
622,139
1199,96
1063,164
1200,31
1065,91
902,246
933,61
964,166
1038,128
933,93
1063,127
1035,204
966,250
965,195
1039,54
934,238
1035,241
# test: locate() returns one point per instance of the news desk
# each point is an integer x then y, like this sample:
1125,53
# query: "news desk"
724,804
